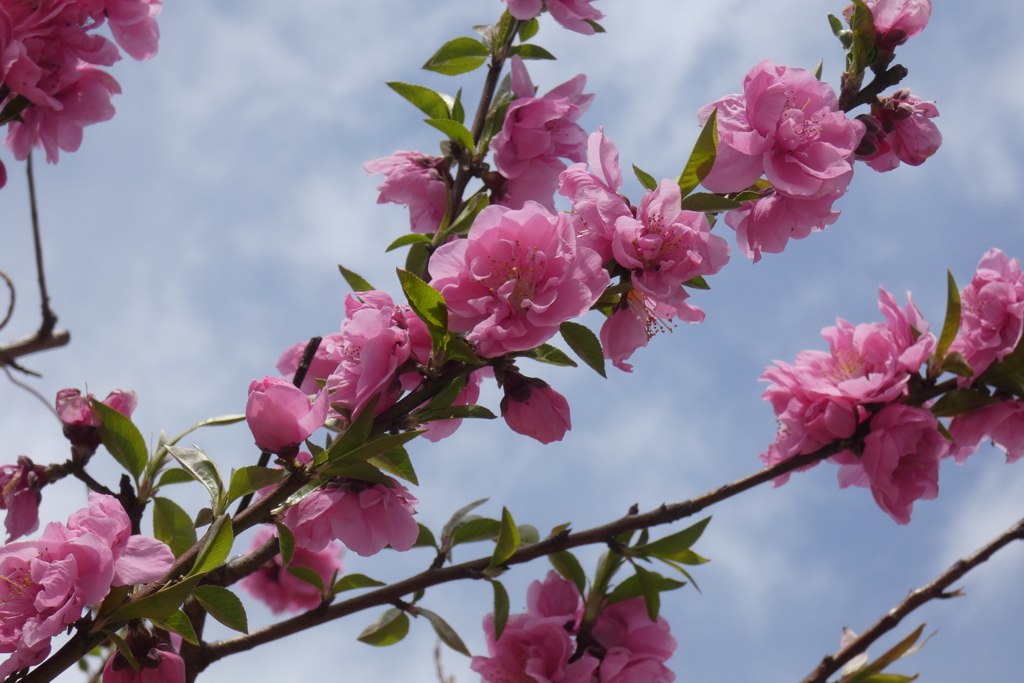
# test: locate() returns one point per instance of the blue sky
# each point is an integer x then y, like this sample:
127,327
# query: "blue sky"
196,236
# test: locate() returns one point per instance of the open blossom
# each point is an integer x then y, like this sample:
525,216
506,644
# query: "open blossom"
1001,422
537,131
896,20
155,657
767,224
20,495
532,408
900,462
132,23
516,278
572,14
365,517
824,395
413,179
280,415
636,648
532,649
992,311
636,320
377,338
904,132
48,582
278,588
554,597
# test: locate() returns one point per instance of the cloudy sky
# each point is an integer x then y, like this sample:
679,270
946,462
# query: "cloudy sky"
197,235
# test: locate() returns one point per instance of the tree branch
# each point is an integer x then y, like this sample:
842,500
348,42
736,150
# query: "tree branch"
917,598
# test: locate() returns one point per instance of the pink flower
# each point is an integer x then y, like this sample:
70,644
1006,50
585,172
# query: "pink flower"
415,180
767,224
896,20
900,462
532,408
20,495
1002,422
378,339
157,660
536,132
532,649
48,582
572,14
320,368
282,591
555,597
516,278
133,24
635,647
79,418
365,517
992,313
636,320
905,131
787,125
280,415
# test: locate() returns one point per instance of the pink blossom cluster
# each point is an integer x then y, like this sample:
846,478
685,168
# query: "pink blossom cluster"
900,128
574,15
50,52
48,582
826,396
281,590
416,181
787,126
540,645
658,244
536,134
80,419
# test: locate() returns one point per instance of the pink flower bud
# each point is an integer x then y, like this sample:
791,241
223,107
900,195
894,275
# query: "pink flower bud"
79,418
157,660
19,487
532,408
280,415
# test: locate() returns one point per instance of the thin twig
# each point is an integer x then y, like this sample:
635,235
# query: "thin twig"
936,589
31,390
49,318
10,307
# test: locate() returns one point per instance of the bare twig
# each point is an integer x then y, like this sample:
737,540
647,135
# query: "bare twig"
31,390
10,307
936,589
49,318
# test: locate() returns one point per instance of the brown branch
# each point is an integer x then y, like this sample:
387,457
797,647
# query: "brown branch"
32,344
917,598
10,307
49,318
474,569
883,79
232,572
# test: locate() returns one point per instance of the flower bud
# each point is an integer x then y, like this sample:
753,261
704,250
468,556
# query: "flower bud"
280,415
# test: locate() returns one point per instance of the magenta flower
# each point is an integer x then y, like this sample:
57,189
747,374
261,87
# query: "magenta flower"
532,408
572,14
905,131
20,495
1002,422
992,313
516,278
767,224
156,658
636,648
80,420
280,415
132,23
320,368
555,597
282,591
365,517
634,323
532,649
413,179
900,462
896,20
536,132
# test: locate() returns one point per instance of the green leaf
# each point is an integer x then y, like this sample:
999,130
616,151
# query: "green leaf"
961,401
697,283
479,529
425,539
397,462
528,51
449,527
650,590
546,353
202,469
672,546
594,25
951,325
818,68
426,302
359,430
585,343
835,24
508,540
12,110
389,629
122,647
160,605
359,470
631,587
566,564
458,56
501,606
223,605
122,438
445,632
307,575
702,158
354,581
253,478
708,203
471,208
879,665
646,179
216,546
864,50
178,623
458,113
955,362
354,280
374,448
286,542
203,517
455,131
174,475
173,526
416,259
528,29
406,240
455,413
424,99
